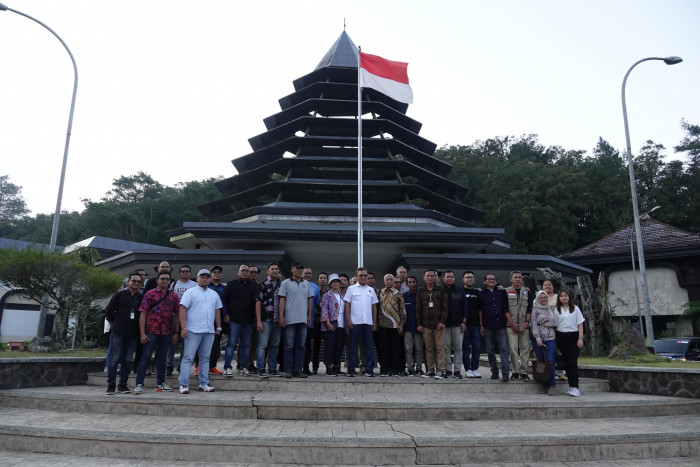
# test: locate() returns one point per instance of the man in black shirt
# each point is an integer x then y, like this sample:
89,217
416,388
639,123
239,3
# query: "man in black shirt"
471,348
122,313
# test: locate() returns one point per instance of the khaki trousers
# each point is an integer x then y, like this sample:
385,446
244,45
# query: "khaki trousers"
519,346
434,340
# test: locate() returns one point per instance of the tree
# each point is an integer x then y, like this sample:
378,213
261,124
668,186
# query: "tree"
69,282
12,204
691,146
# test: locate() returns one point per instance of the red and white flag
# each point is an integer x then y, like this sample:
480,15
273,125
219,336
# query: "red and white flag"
386,76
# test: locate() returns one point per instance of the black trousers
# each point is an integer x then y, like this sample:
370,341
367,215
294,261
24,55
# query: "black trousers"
313,351
335,341
567,345
390,350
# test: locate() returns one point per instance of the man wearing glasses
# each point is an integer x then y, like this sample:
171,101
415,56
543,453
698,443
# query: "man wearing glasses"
493,306
122,316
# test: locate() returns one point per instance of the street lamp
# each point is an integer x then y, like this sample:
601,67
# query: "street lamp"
57,213
637,225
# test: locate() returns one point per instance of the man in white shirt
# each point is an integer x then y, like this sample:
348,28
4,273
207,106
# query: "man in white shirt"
361,319
200,321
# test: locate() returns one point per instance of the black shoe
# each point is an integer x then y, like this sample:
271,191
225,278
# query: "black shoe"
430,374
252,368
505,379
169,371
351,374
524,377
111,389
306,371
514,376
338,372
124,389
457,375
288,375
448,373
369,374
314,371
300,374
494,376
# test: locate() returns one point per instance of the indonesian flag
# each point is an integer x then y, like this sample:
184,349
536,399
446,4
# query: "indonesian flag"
386,76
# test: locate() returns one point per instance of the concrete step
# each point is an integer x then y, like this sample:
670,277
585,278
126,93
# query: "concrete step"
197,439
321,384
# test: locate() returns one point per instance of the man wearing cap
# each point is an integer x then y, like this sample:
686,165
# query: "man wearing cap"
200,321
296,306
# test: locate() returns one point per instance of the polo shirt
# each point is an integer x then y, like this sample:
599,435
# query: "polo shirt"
361,298
201,309
296,295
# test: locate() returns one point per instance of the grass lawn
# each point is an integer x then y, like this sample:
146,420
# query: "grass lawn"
67,353
638,360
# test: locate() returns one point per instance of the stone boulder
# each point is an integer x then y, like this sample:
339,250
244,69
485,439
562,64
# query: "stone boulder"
632,339
614,352
41,345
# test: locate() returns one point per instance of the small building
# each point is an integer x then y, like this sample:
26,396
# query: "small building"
672,258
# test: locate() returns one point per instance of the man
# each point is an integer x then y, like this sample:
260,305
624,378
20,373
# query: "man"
493,306
217,286
471,348
125,285
431,313
391,320
412,339
163,266
401,275
344,282
122,316
239,314
200,321
455,324
267,321
313,333
254,273
518,317
296,308
157,328
361,315
180,286
140,272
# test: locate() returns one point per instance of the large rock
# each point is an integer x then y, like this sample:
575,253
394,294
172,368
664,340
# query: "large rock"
41,345
632,339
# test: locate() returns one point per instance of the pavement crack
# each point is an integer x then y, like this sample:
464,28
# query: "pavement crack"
413,440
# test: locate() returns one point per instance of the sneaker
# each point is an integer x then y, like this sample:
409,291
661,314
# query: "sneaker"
228,373
138,389
331,372
124,389
351,374
470,374
288,374
338,372
300,374
306,371
262,374
383,375
411,373
476,373
568,391
215,371
369,374
403,373
551,391
111,389
252,369
494,376
505,379
439,375
184,390
419,373
276,374
163,388
524,377
457,375
205,388
514,376
575,392
429,374
245,372
448,374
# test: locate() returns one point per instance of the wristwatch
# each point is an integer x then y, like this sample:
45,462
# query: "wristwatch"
219,329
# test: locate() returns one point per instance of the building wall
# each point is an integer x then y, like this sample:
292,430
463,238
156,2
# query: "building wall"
667,298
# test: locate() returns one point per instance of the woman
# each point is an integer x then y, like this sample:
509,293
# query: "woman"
542,324
332,324
569,322
548,287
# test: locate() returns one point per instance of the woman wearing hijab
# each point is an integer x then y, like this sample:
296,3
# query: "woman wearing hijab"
542,322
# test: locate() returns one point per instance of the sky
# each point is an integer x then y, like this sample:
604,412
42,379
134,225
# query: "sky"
175,89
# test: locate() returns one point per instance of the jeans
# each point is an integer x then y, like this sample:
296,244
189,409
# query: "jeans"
122,348
471,348
242,332
294,347
548,354
365,332
109,351
497,337
196,341
160,343
333,350
453,340
170,360
268,338
414,348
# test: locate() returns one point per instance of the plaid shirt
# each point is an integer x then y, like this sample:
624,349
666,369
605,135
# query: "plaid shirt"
270,302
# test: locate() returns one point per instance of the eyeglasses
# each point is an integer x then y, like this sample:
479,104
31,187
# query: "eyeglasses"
138,282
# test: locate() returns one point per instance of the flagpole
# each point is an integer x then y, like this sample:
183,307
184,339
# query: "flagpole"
360,246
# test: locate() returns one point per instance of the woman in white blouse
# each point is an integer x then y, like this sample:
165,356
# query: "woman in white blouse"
569,336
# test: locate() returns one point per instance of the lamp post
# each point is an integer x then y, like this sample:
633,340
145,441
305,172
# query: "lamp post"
57,213
673,60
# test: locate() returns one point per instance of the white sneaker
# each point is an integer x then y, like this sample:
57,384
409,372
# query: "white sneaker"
245,372
568,391
138,389
476,374
575,392
205,388
228,373
470,374
184,390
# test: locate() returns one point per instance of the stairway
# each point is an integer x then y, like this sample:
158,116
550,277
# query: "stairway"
344,421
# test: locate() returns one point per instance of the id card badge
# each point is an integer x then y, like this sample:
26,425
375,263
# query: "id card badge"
430,304
132,315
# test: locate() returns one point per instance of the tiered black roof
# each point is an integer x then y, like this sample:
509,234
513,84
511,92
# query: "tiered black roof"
309,153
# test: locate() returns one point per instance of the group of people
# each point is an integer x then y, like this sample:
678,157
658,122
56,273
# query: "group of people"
410,330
